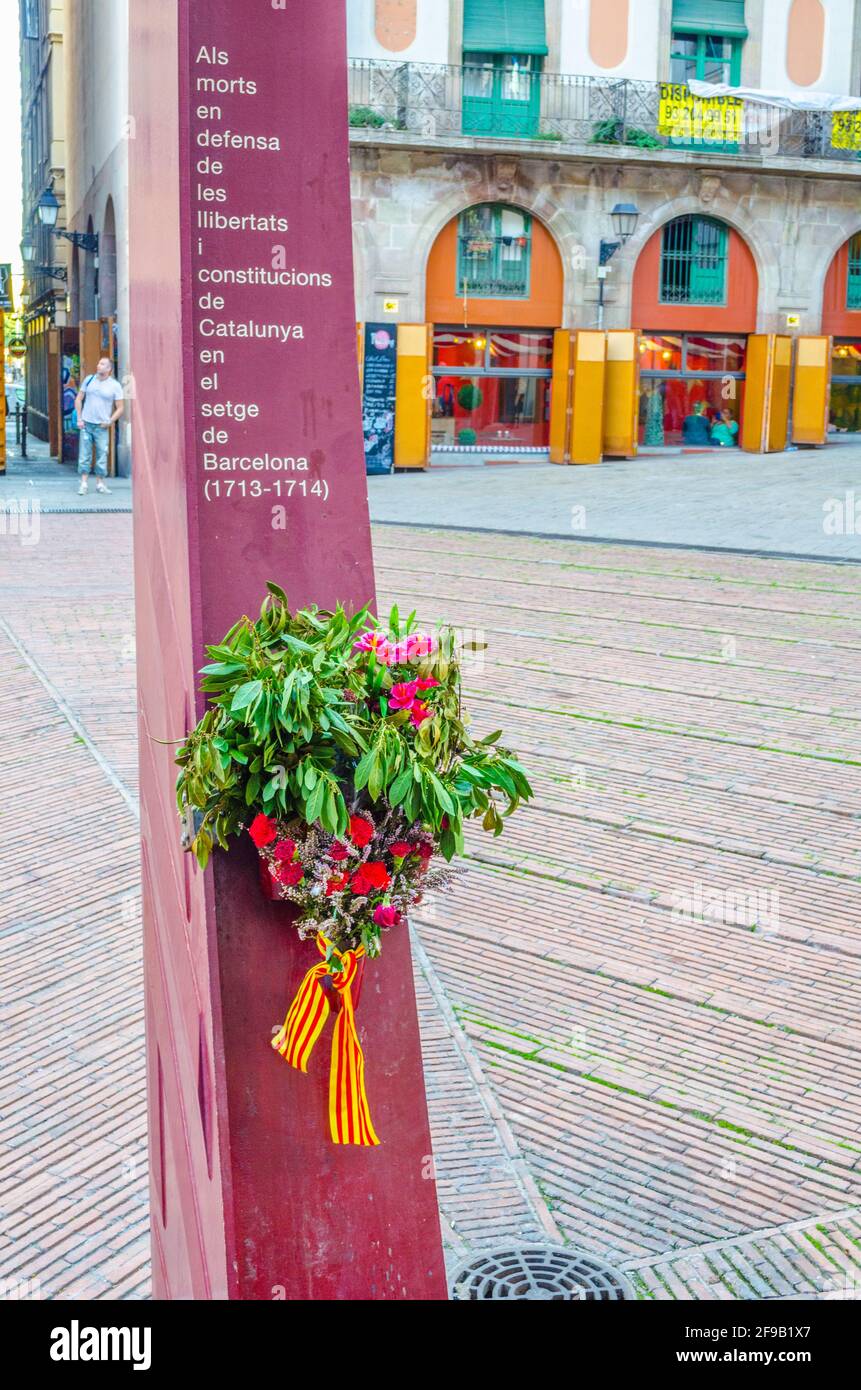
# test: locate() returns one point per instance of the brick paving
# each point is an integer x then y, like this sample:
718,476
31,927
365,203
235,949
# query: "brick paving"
638,1006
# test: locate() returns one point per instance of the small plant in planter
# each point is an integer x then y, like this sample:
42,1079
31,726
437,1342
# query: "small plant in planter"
341,746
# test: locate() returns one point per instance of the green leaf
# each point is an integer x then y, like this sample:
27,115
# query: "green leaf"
400,786
246,695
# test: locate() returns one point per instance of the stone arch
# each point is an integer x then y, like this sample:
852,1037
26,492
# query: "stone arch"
723,209
108,261
88,280
74,285
539,205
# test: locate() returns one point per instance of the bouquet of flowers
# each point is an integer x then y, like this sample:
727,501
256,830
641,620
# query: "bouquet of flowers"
341,746
351,890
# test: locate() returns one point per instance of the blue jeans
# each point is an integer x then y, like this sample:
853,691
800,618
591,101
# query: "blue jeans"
90,435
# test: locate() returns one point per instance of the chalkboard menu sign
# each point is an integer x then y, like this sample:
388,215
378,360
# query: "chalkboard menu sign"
378,396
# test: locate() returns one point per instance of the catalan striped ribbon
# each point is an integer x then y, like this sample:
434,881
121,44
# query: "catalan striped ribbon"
349,1115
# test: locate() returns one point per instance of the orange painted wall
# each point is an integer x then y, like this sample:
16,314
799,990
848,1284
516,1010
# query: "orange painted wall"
738,315
395,24
543,308
608,32
805,41
836,318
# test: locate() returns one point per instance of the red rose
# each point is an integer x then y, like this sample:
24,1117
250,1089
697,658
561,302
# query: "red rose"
400,849
337,885
386,916
291,874
424,849
284,851
338,852
263,830
361,831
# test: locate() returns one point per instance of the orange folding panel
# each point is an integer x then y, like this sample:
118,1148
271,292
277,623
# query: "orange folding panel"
812,385
560,396
766,392
621,393
590,369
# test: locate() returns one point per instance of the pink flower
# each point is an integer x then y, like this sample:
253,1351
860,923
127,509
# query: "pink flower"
403,695
284,851
418,714
376,642
386,916
263,830
338,852
416,647
426,683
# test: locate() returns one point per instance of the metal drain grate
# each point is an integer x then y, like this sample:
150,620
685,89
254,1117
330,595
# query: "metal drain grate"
540,1272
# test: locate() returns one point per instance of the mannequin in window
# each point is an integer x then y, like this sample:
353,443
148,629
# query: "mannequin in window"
695,427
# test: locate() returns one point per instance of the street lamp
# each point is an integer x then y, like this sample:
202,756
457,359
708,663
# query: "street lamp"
47,208
28,250
624,218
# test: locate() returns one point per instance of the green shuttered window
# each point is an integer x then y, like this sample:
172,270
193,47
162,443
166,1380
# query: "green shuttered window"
693,261
504,26
724,17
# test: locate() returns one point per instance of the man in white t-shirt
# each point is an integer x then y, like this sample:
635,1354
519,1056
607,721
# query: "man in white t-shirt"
99,404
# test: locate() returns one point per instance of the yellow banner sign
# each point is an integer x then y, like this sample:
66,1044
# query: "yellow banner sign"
690,119
846,130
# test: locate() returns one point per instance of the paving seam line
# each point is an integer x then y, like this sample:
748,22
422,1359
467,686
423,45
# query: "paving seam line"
72,719
519,1168
619,540
743,1238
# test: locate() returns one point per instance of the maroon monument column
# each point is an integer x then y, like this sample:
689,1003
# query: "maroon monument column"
248,466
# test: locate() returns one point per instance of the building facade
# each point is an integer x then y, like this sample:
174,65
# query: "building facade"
492,140
98,123
75,132
43,117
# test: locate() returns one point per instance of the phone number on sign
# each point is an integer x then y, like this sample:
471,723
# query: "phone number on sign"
217,489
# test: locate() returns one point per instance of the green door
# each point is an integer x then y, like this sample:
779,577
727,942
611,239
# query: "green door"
501,94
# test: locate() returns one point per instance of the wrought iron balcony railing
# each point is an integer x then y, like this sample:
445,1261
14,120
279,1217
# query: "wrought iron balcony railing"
439,100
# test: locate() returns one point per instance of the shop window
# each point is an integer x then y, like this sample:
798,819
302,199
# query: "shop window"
853,280
494,252
491,387
845,405
693,261
707,40
504,45
692,389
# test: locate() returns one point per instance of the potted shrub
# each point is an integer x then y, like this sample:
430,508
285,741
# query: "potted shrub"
340,745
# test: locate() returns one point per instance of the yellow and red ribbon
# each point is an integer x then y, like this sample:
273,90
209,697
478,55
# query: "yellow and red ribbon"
349,1115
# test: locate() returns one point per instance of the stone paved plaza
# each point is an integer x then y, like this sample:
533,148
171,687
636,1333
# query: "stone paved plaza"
639,1006
803,502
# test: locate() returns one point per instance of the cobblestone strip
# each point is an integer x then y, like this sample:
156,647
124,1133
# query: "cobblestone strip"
487,1192
73,1193
818,1258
